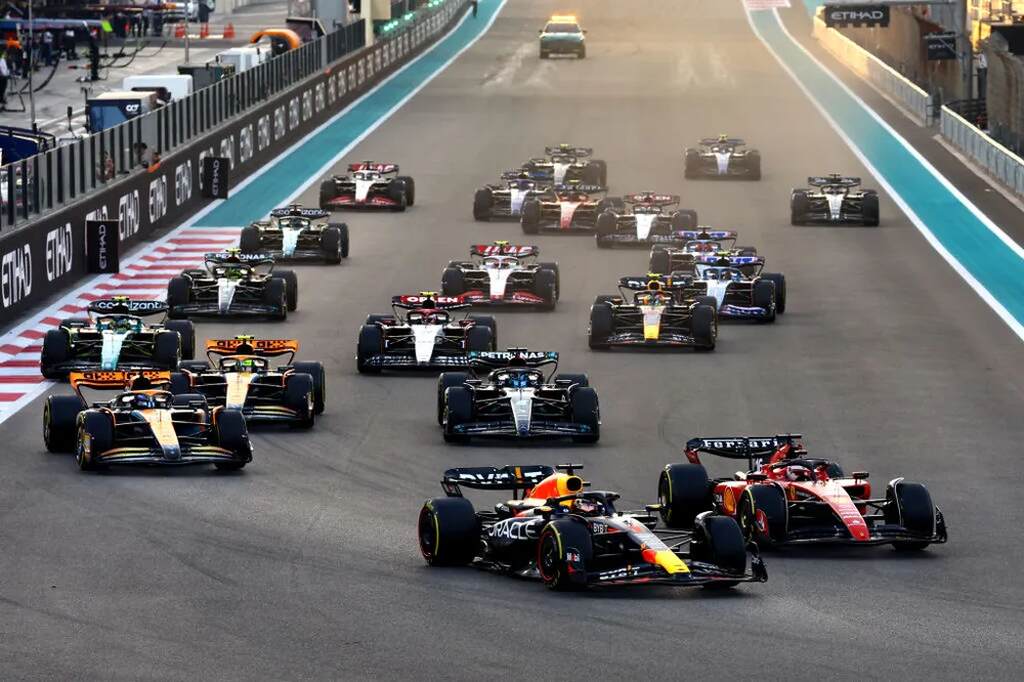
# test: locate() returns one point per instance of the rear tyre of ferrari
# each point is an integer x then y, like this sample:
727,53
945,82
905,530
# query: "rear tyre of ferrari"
453,282
370,344
95,436
602,323
458,408
249,240
529,219
60,414
187,331
764,297
291,287
560,540
910,505
683,492
56,349
449,531
233,435
763,514
718,540
586,412
444,382
316,371
482,202
704,327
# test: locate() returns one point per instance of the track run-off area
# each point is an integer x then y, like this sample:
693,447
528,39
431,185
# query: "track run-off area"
898,355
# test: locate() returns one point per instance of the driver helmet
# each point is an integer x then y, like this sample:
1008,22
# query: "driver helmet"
142,401
247,365
722,137
517,380
798,472
586,507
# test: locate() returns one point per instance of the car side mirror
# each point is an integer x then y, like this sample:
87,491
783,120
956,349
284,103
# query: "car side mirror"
860,475
757,477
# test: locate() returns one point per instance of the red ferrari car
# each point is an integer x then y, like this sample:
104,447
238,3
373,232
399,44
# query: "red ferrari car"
787,497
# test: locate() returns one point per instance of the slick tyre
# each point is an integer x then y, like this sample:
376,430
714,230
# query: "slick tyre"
545,285
232,434
606,226
299,395
275,294
684,491
180,383
60,415
529,220
780,289
445,381
410,189
564,550
319,376
328,192
167,349
704,327
910,505
764,297
95,436
56,349
870,211
587,413
754,164
602,323
489,322
179,293
334,243
187,331
685,219
249,240
458,410
553,267
479,339
719,541
482,202
660,261
763,514
449,531
291,281
798,207
453,282
397,193
370,344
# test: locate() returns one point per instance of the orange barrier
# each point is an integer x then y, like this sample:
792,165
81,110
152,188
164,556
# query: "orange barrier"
204,31
229,31
179,31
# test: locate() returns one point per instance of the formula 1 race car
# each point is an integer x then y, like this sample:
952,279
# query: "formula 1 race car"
644,220
555,530
368,184
238,376
143,424
232,285
735,286
703,241
722,157
422,334
566,208
297,234
787,497
567,163
114,336
503,274
507,394
505,199
833,200
648,313
563,35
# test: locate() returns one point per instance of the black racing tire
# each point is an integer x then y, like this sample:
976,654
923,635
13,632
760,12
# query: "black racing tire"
184,399
187,331
870,210
458,409
660,262
328,192
684,491
529,218
453,282
910,505
410,189
780,289
232,434
553,267
479,338
167,349
610,204
704,327
708,301
764,297
299,395
606,225
397,192
249,240
483,200
587,412
489,322
592,173
798,207
602,171
558,539
449,531
545,285
769,500
602,324
691,163
319,374
445,381
291,288
56,349
719,541
370,344
179,293
334,243
60,415
181,384
275,293
95,436
684,219
754,164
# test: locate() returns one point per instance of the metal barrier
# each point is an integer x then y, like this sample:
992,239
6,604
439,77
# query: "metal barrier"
997,160
54,179
876,72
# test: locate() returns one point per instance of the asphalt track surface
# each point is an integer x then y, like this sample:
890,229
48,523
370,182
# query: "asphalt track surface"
305,565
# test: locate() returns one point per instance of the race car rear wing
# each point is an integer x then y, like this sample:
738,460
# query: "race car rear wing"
651,199
235,257
378,166
730,141
750,448
580,187
249,345
513,357
122,305
297,211
832,180
517,478
708,235
727,260
643,282
569,150
503,249
118,380
429,299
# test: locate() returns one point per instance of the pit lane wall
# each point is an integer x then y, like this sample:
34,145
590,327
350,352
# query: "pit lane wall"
46,257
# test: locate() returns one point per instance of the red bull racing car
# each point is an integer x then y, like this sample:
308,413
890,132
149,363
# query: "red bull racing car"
368,184
503,274
556,530
787,497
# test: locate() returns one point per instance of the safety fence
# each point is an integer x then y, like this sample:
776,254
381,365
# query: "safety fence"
876,72
1001,163
249,119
